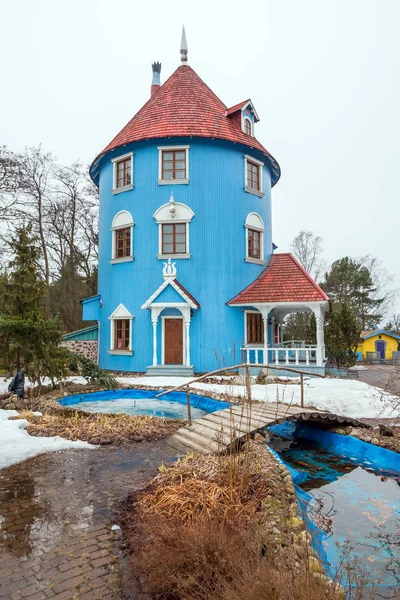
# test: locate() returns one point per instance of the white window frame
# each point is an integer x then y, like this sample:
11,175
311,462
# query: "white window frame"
163,216
119,314
163,317
260,192
130,223
246,343
162,149
116,160
244,119
160,255
250,259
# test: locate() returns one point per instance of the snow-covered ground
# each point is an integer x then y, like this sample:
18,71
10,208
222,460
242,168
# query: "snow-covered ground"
17,445
351,398
346,397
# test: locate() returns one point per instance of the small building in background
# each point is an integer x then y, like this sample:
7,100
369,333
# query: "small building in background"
84,341
377,344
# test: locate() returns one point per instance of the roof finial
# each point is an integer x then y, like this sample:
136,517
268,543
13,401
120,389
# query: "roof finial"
184,48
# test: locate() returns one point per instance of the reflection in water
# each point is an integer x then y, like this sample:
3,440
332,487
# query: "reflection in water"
32,515
360,506
18,511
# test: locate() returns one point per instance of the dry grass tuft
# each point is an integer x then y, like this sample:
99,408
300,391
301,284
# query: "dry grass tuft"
195,498
213,559
100,428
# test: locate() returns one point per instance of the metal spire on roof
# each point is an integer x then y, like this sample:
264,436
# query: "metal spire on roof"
184,48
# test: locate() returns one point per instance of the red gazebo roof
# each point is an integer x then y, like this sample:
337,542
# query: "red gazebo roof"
283,280
184,106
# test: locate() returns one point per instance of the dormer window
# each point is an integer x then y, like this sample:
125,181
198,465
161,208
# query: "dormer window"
123,173
248,129
173,165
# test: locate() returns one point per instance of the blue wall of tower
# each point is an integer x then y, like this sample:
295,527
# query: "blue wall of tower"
217,269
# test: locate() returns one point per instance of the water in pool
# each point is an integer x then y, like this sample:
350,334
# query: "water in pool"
356,504
140,406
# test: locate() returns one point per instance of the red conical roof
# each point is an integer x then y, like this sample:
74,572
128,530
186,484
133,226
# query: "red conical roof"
185,106
283,280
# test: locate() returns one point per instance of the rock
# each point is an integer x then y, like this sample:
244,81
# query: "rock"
303,537
295,523
19,404
259,438
368,439
375,441
314,565
384,430
9,406
300,551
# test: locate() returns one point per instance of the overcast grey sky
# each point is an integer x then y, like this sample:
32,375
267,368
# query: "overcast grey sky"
322,74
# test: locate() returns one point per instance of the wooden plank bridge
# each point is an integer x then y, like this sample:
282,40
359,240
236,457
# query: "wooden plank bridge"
218,431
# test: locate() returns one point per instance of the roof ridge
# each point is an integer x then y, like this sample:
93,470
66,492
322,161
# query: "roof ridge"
315,284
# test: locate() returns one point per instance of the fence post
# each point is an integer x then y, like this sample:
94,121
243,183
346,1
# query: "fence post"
302,390
248,383
189,412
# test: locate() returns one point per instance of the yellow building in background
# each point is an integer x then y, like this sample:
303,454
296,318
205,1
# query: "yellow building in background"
380,341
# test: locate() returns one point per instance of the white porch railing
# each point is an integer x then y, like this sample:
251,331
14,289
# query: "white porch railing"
254,355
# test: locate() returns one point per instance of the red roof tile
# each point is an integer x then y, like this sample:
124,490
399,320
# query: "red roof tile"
233,109
283,280
185,106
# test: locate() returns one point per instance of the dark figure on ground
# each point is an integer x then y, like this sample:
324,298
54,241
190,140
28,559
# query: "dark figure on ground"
17,385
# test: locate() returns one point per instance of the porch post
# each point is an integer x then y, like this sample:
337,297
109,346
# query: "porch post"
319,318
187,327
265,310
154,320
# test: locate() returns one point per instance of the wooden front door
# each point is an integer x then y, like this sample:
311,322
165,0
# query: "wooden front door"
173,341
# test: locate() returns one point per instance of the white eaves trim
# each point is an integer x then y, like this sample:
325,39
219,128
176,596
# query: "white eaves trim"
176,287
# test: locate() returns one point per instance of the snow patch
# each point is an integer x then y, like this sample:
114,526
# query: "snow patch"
17,445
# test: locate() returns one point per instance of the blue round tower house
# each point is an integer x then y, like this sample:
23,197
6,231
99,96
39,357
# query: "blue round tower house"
185,225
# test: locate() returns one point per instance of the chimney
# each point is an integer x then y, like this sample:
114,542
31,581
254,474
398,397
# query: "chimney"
155,84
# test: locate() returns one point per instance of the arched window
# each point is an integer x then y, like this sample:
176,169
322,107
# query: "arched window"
173,229
254,238
122,237
247,126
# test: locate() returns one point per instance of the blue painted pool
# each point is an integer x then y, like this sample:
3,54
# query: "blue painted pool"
348,499
143,402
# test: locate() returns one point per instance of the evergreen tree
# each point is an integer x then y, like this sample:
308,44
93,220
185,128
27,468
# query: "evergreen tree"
349,282
342,335
300,326
28,340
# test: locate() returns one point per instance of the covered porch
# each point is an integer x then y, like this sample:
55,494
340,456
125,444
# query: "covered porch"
271,349
284,287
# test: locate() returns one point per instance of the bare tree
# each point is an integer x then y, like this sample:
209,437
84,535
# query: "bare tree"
73,239
308,248
393,324
382,281
9,174
35,172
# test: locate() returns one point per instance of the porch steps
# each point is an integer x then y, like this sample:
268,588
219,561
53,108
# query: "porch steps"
169,371
217,432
